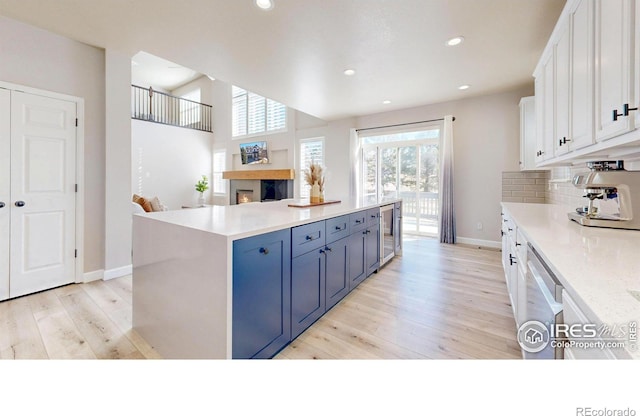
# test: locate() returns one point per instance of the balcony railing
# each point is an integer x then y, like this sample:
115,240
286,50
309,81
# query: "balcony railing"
425,203
158,107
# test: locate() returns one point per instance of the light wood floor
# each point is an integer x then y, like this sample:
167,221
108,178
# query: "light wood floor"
436,301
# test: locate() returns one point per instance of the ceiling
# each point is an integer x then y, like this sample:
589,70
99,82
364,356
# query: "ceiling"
150,70
296,53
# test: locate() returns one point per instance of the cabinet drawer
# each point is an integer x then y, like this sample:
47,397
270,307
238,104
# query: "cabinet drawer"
357,221
337,228
373,215
307,237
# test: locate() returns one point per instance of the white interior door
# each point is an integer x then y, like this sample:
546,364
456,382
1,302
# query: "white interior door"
43,178
5,184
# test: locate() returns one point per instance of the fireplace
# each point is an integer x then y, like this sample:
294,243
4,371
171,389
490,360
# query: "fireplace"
243,196
259,190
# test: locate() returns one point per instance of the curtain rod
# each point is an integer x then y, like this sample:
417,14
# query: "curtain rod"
403,124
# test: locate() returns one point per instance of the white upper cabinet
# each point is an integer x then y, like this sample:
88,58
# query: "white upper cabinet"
581,76
613,68
560,143
545,98
527,133
587,83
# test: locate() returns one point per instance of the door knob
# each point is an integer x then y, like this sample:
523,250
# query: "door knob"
19,203
1,204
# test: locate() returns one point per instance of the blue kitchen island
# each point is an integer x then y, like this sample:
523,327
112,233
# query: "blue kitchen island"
243,281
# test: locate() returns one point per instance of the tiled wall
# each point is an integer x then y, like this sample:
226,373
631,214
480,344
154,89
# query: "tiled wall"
530,186
561,191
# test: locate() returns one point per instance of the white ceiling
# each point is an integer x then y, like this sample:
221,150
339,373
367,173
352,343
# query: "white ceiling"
150,70
297,52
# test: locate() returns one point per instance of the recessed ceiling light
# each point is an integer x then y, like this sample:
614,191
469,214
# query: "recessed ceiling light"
265,4
455,41
386,102
464,87
349,72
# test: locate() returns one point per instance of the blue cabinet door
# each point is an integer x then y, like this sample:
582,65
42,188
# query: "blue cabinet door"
372,247
337,265
307,290
261,295
357,264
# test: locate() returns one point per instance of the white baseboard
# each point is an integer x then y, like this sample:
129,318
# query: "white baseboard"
93,276
118,272
479,243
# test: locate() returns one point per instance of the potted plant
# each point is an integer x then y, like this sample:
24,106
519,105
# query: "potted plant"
201,186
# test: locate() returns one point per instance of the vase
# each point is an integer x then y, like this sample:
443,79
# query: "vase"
201,199
315,193
321,197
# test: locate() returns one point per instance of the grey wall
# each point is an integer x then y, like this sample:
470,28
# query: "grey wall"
36,58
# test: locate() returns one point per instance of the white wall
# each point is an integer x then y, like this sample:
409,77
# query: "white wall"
281,146
486,142
36,58
167,162
118,164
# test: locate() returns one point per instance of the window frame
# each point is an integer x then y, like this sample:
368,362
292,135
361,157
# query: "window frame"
266,106
302,184
215,171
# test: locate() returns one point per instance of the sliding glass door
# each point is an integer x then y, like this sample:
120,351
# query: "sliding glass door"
405,165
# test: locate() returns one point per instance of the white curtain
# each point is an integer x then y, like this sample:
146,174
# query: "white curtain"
447,205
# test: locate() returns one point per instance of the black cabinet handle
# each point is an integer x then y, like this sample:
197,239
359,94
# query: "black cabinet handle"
358,222
1,204
264,251
560,142
511,260
338,228
328,249
510,229
625,112
19,203
539,153
518,244
366,231
309,238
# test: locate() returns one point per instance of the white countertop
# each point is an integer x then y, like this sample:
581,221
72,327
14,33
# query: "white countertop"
245,220
597,266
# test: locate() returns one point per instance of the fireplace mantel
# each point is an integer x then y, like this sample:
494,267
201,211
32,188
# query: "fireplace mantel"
259,174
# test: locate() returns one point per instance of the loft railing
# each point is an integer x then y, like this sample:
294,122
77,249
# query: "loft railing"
158,107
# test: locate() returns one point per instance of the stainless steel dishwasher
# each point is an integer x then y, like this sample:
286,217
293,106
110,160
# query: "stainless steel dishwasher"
543,310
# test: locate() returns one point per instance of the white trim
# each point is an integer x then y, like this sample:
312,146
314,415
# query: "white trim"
479,243
79,237
93,276
118,272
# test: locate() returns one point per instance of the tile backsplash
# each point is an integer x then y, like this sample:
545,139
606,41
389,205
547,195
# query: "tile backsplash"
527,186
561,190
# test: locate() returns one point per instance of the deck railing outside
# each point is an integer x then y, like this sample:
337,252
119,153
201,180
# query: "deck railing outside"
426,203
158,107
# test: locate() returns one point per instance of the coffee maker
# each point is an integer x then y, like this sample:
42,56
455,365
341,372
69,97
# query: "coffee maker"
613,194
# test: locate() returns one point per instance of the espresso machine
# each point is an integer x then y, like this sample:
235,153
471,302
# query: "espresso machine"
613,195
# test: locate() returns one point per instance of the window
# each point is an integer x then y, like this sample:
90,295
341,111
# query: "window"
219,165
311,151
406,165
190,111
253,114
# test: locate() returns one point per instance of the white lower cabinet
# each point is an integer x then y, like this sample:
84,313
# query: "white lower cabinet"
573,315
514,264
